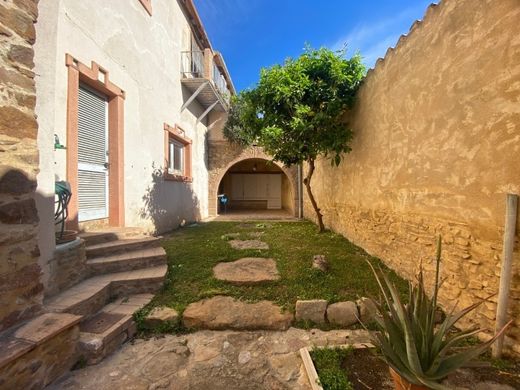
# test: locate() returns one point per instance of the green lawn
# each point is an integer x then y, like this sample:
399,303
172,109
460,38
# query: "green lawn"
194,251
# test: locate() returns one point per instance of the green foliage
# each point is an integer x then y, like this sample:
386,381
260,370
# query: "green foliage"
410,342
192,254
328,365
296,110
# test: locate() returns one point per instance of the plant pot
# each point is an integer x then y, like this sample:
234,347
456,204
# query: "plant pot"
68,236
402,384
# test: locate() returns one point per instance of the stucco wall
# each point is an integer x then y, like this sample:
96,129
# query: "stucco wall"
20,285
436,149
142,55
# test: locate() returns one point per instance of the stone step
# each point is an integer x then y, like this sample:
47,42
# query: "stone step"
39,351
121,246
89,296
127,261
108,329
94,237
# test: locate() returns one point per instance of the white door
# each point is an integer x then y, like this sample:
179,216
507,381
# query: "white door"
274,192
92,154
251,187
237,186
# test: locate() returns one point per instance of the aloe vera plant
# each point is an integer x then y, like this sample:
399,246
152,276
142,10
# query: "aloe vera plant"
411,343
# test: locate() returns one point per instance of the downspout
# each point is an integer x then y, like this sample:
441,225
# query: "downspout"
505,273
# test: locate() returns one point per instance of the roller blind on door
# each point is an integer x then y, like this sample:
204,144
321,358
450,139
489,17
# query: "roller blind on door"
92,155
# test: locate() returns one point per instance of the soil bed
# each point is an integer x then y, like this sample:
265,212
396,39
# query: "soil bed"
365,370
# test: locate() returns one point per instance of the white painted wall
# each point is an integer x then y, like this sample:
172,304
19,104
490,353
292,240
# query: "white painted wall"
142,55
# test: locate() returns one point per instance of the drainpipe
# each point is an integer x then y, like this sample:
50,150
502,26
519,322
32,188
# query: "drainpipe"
300,192
505,273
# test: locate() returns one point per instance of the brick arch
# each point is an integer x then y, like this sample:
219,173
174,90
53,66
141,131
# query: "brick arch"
248,154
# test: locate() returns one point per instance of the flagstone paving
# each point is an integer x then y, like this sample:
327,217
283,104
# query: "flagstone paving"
223,312
248,270
248,244
216,360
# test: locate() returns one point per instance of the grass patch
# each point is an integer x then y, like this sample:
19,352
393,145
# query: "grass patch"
194,251
328,365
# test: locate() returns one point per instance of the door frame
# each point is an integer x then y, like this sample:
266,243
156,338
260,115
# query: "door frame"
96,78
106,170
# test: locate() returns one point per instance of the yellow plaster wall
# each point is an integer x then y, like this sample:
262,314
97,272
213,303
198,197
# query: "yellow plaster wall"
436,149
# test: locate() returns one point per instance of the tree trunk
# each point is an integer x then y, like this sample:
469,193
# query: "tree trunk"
307,182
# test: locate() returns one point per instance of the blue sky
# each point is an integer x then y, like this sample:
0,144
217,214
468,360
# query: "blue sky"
252,34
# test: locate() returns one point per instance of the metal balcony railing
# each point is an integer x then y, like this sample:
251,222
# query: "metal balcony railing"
220,82
192,64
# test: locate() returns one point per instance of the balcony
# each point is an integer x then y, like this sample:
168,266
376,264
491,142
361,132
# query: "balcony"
205,80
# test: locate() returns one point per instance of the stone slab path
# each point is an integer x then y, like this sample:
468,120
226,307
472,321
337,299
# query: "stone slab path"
249,270
222,312
216,360
248,244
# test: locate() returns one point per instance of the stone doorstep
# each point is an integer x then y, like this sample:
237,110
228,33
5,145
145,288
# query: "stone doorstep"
17,342
132,260
113,247
93,237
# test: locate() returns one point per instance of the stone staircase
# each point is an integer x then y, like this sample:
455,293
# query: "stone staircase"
123,269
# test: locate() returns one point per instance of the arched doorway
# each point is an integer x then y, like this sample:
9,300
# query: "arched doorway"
258,187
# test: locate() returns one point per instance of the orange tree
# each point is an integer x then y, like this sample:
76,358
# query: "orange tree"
295,112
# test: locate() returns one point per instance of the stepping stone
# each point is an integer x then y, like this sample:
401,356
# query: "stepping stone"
246,225
229,236
223,312
161,315
249,270
248,244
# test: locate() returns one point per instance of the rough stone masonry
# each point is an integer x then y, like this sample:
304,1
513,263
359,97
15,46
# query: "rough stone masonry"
20,286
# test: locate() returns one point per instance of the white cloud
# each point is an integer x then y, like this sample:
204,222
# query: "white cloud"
372,40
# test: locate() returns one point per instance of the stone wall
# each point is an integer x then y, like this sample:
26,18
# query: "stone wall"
20,286
222,155
43,364
67,267
436,149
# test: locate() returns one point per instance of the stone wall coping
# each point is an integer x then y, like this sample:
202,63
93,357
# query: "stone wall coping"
17,342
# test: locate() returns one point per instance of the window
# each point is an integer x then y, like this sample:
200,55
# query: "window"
177,154
147,4
176,157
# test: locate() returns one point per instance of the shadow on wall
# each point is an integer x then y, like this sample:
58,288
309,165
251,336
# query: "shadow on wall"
20,285
169,204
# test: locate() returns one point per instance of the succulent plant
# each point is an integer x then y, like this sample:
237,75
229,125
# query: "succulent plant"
412,344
